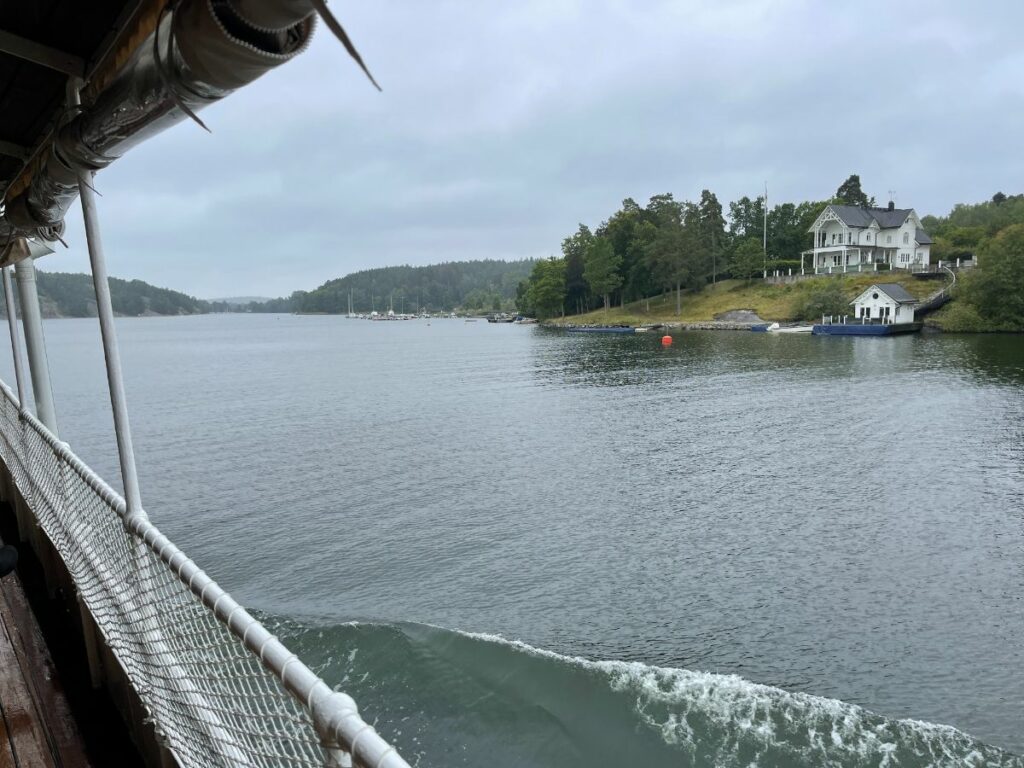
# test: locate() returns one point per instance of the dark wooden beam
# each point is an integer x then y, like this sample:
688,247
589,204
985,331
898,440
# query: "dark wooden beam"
40,54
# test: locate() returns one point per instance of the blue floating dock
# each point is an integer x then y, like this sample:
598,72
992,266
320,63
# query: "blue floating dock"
867,329
602,329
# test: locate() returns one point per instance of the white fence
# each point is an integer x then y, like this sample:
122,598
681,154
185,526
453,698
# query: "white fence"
219,688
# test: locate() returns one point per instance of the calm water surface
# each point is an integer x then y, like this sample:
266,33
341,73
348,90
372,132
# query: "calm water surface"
836,517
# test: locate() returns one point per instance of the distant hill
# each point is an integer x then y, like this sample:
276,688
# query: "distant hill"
477,285
241,301
63,294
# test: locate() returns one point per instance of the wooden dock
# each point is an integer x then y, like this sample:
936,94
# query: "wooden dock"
36,725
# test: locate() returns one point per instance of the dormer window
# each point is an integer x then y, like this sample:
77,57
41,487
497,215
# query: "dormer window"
869,237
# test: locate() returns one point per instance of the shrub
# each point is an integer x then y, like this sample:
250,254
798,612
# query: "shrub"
825,298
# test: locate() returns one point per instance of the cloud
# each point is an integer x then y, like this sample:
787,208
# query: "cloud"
501,126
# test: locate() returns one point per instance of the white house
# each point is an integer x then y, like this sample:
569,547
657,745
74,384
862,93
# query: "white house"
885,303
848,238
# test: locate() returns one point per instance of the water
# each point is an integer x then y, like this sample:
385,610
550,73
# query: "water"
518,547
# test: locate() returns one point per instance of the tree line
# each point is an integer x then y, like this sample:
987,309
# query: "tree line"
63,294
673,245
486,285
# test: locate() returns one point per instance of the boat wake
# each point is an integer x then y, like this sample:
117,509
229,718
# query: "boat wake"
454,698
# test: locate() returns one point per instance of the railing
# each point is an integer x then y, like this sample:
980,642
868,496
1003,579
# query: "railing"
938,299
842,269
219,688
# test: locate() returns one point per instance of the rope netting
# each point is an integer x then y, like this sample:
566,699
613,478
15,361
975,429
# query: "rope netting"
210,698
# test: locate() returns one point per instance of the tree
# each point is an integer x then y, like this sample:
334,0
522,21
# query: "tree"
601,269
998,198
825,298
546,294
746,219
850,193
621,231
523,305
664,251
712,225
574,249
747,259
996,290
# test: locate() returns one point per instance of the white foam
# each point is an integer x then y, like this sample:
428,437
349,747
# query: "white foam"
732,711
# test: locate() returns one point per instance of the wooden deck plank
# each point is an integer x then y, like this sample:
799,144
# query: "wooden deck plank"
39,671
30,691
6,755
24,727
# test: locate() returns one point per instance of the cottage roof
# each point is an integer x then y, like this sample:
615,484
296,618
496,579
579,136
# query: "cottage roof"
922,237
894,291
855,216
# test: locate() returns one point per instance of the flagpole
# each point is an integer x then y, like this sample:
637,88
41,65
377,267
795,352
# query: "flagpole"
764,244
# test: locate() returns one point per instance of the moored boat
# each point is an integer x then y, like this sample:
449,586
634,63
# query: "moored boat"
799,328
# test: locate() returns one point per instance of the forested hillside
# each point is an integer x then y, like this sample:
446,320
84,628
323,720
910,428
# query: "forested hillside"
63,294
474,285
991,297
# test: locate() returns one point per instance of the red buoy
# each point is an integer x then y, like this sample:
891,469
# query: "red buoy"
666,341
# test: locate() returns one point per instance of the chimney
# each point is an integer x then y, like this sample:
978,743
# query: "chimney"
892,206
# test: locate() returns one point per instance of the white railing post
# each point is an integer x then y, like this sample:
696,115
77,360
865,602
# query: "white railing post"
19,377
32,323
111,354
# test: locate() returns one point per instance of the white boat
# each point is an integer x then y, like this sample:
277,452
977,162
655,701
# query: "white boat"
776,328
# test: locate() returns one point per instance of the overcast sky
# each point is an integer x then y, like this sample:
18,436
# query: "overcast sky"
504,124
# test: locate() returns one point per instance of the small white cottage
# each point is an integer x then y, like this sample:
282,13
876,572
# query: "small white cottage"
885,303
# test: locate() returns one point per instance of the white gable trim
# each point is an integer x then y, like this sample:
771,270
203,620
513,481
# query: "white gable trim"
824,217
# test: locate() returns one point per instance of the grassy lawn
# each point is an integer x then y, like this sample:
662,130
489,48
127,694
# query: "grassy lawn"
771,302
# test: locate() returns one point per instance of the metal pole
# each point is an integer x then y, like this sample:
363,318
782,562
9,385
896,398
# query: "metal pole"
19,377
32,322
764,231
115,382
105,311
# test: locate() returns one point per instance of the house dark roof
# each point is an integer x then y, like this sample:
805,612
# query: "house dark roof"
894,291
922,237
855,216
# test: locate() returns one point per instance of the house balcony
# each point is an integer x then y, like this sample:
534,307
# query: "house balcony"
842,259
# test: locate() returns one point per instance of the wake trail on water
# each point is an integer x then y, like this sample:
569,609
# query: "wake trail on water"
446,697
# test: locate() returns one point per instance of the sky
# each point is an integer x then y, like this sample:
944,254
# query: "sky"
502,125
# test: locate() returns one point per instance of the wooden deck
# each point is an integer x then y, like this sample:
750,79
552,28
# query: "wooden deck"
36,725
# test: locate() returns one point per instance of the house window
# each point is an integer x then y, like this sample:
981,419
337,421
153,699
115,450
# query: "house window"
869,237
906,238
888,238
849,238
